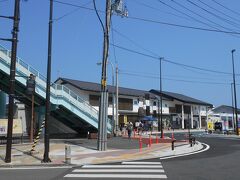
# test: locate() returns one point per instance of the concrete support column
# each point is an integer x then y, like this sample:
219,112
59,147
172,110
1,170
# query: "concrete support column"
182,116
199,112
191,117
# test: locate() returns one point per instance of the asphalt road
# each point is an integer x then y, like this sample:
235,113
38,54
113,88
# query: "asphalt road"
220,162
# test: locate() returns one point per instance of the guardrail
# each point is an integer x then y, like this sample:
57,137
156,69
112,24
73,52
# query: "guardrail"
56,89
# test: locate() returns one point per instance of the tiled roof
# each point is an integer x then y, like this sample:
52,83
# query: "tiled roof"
180,97
224,109
95,87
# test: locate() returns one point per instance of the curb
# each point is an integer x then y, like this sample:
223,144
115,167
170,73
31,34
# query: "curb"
144,155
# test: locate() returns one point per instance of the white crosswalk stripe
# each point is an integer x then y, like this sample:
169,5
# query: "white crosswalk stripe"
127,170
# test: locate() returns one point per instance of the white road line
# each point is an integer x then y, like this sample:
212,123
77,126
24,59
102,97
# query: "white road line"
128,176
138,162
32,168
187,154
122,166
119,170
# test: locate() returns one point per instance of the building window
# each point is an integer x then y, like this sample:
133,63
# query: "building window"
125,104
135,102
165,105
154,103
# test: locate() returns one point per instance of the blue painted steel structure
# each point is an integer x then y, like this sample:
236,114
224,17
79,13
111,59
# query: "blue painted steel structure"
60,94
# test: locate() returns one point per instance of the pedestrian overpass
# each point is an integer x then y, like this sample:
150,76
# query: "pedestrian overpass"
66,106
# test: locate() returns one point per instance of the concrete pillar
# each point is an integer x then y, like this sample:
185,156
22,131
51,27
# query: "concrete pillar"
182,116
199,112
2,104
191,117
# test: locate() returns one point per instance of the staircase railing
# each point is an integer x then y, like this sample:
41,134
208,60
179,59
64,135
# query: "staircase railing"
58,90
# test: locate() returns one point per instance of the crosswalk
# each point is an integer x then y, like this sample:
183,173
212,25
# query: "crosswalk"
127,170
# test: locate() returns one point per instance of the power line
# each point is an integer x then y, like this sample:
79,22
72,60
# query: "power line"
113,41
213,14
169,75
178,80
71,12
231,17
235,12
159,10
219,25
199,21
133,42
169,61
157,22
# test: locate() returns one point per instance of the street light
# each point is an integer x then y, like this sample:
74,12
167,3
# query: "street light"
233,109
113,96
235,96
160,124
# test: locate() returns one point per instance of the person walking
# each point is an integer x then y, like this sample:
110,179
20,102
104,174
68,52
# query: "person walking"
129,129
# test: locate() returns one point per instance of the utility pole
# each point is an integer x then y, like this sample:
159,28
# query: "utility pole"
117,118
233,109
160,83
235,94
12,80
46,158
102,123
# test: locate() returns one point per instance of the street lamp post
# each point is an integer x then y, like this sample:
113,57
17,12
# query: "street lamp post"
160,124
235,94
233,109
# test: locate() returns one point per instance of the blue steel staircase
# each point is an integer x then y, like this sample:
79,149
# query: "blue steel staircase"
68,103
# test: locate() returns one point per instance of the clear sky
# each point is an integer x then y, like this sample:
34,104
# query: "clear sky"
78,43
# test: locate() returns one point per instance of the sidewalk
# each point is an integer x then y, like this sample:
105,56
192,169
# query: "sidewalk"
83,151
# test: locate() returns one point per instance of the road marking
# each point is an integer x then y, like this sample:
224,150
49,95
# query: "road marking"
148,176
187,154
119,170
32,168
122,166
139,162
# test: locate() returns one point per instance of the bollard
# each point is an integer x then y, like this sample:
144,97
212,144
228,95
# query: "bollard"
156,138
194,140
150,140
67,154
140,143
173,144
172,136
190,141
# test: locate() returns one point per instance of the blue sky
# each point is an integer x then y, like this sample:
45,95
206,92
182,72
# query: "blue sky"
78,43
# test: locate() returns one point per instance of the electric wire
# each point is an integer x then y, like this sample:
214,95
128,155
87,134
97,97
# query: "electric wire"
95,8
157,22
199,15
172,79
220,12
70,12
213,14
113,42
160,10
235,12
199,21
169,75
169,61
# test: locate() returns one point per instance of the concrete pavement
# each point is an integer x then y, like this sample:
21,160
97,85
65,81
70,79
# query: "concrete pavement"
83,151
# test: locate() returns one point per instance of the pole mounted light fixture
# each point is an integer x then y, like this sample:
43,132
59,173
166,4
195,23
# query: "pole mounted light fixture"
235,93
